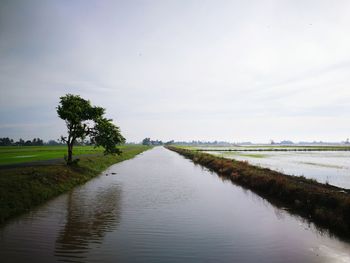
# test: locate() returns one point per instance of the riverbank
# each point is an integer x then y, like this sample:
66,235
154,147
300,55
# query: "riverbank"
23,188
325,205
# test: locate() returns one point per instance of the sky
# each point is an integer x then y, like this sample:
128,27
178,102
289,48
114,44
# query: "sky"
182,69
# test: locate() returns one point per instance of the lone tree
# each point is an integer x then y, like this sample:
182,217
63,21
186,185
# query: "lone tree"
84,120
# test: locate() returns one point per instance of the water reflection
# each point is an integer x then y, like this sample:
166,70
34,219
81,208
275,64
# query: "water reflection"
161,208
279,208
90,215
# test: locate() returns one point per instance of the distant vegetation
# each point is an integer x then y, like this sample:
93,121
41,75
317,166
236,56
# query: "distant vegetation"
6,141
10,142
148,141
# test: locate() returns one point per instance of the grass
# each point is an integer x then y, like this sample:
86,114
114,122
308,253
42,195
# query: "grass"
325,205
20,154
323,165
24,188
252,155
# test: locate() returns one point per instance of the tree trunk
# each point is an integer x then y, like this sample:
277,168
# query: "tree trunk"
70,154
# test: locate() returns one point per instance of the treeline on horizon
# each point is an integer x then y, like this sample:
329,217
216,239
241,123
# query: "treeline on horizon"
6,141
148,141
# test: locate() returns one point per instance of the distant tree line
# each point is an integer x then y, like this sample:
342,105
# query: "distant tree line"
6,141
148,141
38,142
203,143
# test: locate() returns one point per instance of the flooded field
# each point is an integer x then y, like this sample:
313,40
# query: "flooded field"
331,167
160,207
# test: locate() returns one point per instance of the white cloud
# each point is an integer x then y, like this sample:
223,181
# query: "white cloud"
182,69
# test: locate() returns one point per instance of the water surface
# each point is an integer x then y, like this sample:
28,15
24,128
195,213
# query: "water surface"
331,167
160,207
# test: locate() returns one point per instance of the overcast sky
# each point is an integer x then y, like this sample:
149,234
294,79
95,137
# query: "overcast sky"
183,70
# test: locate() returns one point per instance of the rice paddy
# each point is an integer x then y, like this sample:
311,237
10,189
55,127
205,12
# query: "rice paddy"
325,164
20,154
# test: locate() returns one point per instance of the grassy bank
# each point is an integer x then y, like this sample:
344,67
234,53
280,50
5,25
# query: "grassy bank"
24,188
325,205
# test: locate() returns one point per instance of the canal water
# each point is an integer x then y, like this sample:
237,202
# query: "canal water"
160,207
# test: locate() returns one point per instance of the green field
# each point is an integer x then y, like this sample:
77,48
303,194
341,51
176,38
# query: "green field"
21,154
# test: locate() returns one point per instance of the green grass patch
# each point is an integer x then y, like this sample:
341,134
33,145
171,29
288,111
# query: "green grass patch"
24,188
21,154
252,155
323,165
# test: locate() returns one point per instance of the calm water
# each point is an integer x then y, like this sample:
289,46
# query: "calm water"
160,207
327,166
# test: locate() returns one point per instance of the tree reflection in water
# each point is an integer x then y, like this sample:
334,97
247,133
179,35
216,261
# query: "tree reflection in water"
90,215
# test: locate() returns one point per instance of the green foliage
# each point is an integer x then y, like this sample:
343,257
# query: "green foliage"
84,120
6,141
146,141
107,135
74,110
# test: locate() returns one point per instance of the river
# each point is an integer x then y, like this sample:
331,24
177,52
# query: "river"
160,207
